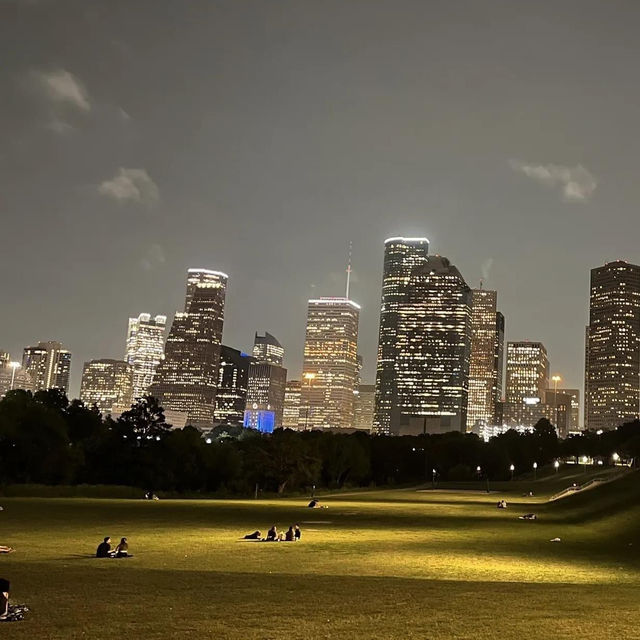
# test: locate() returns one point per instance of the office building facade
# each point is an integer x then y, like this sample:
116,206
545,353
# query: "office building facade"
186,380
485,364
145,350
330,363
48,365
612,360
107,384
401,257
232,386
364,406
291,408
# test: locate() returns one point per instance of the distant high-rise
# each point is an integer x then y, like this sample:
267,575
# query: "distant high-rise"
330,363
49,365
267,349
433,342
12,375
401,257
291,409
612,376
108,384
233,382
364,406
266,386
566,407
485,366
527,379
186,379
145,350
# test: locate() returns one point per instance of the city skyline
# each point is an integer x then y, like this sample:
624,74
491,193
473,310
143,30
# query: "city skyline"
284,149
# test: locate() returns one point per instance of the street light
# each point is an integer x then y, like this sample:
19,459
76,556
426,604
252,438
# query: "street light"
433,478
14,366
616,458
555,379
556,464
535,471
308,377
512,468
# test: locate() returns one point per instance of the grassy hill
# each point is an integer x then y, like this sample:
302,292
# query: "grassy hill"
379,564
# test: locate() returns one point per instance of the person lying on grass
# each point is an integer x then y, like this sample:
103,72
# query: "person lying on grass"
4,549
256,535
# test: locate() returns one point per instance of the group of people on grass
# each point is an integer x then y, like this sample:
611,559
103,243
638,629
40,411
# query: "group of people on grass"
293,534
121,550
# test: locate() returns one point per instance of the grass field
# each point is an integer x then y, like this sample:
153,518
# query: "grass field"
381,564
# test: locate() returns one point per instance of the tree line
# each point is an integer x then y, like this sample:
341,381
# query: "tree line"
47,439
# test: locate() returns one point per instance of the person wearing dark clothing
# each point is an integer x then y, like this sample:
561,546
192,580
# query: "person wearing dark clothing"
256,535
272,534
296,532
104,548
122,550
289,536
4,598
313,504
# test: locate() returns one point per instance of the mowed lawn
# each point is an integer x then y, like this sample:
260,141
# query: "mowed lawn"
380,564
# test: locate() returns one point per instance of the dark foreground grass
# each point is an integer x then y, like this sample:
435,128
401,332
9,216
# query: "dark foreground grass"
401,564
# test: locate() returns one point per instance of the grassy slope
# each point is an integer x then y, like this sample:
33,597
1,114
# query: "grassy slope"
386,564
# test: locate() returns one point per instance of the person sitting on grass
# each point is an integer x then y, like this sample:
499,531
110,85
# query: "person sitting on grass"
290,535
296,532
104,548
4,598
256,535
122,550
5,549
272,534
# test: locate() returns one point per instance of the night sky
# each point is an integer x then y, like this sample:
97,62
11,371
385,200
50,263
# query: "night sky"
259,138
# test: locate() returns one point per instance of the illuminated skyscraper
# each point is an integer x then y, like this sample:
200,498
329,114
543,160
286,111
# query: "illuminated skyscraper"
186,379
612,379
291,410
401,256
108,384
485,367
266,387
526,381
267,349
49,365
330,363
365,401
233,382
145,350
12,375
433,342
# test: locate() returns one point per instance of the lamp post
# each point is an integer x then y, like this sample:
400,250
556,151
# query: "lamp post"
512,469
14,366
433,479
535,471
308,377
615,457
556,464
555,379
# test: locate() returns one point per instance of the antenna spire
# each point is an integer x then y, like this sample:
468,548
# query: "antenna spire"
349,269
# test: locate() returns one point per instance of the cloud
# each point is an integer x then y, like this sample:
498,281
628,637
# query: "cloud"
577,183
486,268
131,185
154,257
62,88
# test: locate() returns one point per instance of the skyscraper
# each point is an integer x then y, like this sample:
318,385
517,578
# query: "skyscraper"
433,342
267,349
266,387
612,376
485,367
145,350
49,365
291,409
365,401
12,375
330,363
526,381
108,384
186,379
232,385
401,256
